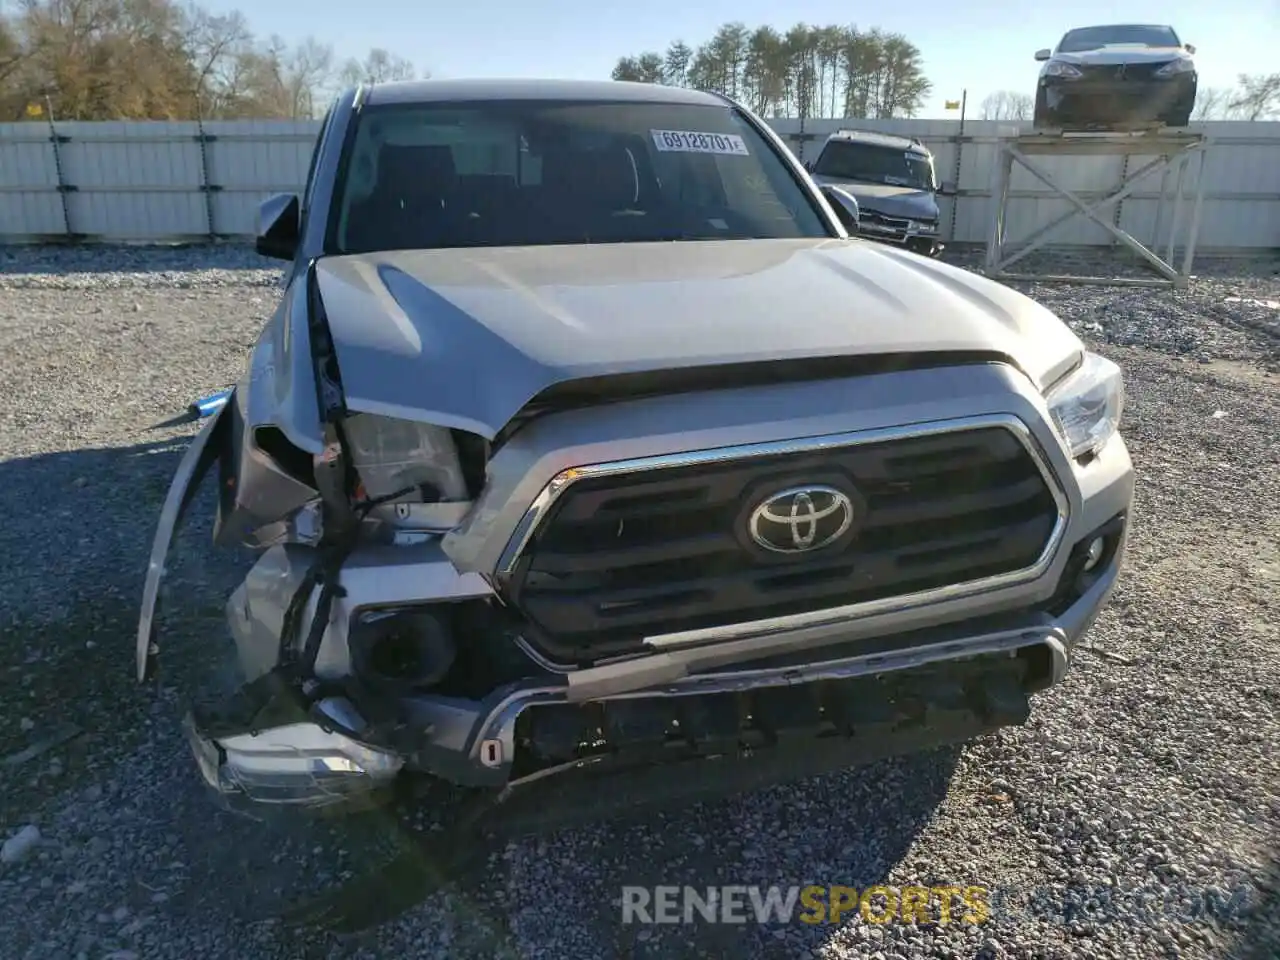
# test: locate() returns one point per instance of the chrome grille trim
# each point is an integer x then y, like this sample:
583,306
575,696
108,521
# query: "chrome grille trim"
556,487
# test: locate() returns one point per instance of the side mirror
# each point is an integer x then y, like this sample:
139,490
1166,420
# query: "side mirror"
1190,48
1043,54
845,207
808,165
946,189
279,227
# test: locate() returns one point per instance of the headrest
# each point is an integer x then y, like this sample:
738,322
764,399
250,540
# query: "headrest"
605,177
410,167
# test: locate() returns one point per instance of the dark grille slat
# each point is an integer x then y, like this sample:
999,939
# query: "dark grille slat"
554,562
893,514
625,556
837,583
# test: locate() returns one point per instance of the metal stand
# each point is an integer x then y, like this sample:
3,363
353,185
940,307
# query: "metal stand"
1172,152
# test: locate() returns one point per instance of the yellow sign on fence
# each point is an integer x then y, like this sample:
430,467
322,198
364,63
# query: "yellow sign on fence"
953,104
35,110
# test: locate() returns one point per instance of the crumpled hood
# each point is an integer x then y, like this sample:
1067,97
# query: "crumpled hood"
1104,56
466,337
887,199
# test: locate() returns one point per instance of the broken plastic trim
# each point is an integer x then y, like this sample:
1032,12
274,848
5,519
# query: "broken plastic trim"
200,455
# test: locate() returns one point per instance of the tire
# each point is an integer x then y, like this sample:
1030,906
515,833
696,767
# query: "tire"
1180,118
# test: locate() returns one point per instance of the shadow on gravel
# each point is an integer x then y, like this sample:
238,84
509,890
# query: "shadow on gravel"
79,524
1258,936
75,541
626,834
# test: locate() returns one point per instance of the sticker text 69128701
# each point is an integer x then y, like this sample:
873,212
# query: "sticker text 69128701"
689,141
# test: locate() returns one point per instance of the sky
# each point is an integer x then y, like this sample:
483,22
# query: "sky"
978,45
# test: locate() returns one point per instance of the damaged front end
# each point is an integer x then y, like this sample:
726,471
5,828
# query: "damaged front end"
451,592
351,609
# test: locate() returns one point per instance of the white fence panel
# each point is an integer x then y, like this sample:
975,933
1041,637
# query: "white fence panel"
155,181
252,159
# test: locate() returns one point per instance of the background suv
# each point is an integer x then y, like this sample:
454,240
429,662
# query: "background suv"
893,180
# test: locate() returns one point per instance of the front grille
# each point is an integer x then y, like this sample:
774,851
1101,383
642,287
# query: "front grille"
625,556
1123,73
896,223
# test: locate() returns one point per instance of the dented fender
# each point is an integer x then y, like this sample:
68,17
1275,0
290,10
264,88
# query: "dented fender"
201,454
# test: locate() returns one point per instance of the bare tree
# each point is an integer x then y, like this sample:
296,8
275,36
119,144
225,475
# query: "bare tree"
379,66
214,43
308,72
1007,105
1212,103
12,53
1258,97
160,59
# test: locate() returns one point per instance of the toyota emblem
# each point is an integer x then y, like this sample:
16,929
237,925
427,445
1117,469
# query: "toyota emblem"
801,519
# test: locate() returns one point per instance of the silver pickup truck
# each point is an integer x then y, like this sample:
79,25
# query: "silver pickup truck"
586,441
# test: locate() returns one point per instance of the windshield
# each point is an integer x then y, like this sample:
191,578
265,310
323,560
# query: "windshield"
517,173
1091,38
847,160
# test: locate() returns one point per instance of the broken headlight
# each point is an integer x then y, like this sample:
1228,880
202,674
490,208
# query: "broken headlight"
1178,66
1086,407
393,455
1060,68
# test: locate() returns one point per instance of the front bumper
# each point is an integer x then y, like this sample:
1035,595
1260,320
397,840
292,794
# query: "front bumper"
1118,101
850,701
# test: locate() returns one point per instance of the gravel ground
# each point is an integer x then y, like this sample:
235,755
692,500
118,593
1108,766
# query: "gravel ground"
1145,787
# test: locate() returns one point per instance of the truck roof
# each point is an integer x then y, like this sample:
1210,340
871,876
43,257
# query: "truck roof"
880,139
436,91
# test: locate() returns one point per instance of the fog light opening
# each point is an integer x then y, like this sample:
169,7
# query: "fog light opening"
404,649
1097,546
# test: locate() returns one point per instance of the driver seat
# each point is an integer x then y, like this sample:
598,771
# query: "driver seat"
408,205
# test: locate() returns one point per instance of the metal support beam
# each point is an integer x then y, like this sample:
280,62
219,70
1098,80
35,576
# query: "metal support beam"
205,185
1172,152
56,140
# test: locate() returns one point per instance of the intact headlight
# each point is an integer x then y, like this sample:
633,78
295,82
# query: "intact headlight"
1086,407
926,226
